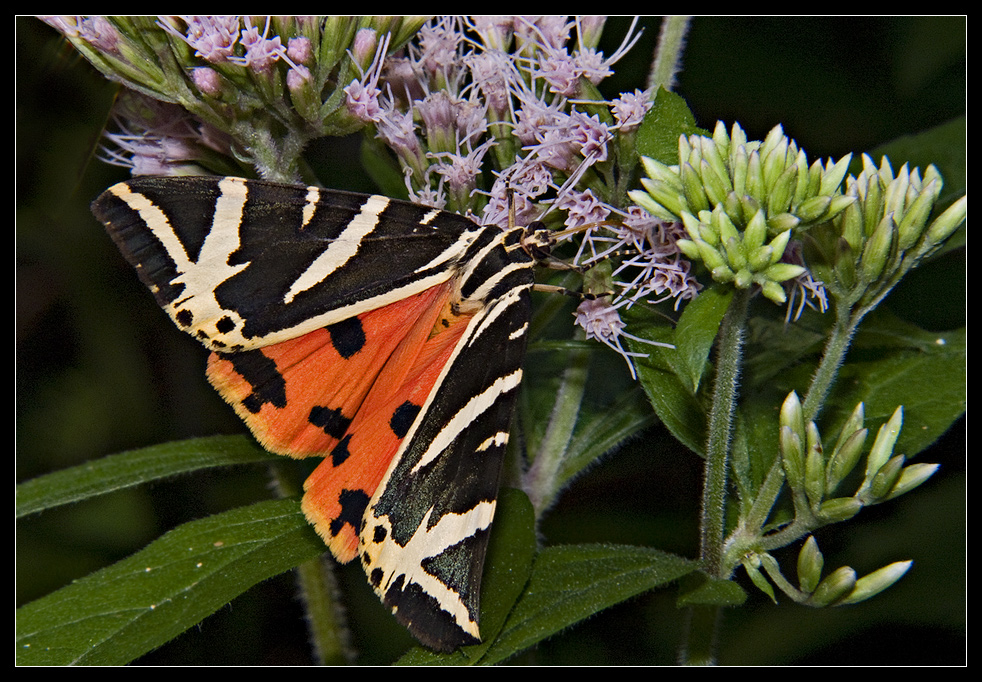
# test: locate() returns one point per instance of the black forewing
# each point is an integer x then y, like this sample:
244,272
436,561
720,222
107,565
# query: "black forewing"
279,246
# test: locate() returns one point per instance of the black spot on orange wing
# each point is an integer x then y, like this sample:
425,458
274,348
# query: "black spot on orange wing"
353,504
341,451
268,385
347,336
402,419
333,421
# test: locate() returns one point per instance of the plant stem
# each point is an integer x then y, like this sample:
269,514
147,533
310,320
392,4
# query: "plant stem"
729,357
846,323
540,481
668,55
702,624
318,589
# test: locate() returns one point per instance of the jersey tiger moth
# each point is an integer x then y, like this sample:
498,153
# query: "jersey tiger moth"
383,336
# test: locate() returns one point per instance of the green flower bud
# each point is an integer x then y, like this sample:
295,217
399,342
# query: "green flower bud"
756,231
774,292
838,205
721,139
713,156
877,250
755,178
782,223
877,581
716,187
810,565
695,195
734,208
661,200
882,448
792,455
845,264
801,185
851,226
887,477
779,198
912,224
844,459
710,256
739,166
835,587
688,248
762,257
723,274
911,477
944,225
734,254
724,226
781,272
644,200
778,245
839,509
813,208
792,416
832,177
814,470
659,172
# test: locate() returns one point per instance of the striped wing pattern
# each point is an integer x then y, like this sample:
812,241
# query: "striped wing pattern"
280,279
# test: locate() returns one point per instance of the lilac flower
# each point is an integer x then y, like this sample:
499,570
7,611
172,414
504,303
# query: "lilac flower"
591,135
299,50
461,172
492,74
363,94
558,68
212,37
439,42
494,31
629,109
582,208
602,322
260,53
207,80
158,138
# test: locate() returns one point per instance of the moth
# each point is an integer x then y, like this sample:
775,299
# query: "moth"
383,336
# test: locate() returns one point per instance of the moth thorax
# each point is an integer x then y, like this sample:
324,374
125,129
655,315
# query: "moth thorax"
538,240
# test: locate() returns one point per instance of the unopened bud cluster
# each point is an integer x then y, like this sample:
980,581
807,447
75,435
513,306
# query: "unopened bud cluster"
739,201
885,231
838,588
814,475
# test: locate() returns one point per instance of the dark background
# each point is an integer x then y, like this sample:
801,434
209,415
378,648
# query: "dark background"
99,369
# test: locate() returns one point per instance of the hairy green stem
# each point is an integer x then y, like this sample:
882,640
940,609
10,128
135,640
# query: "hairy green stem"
318,589
668,55
540,482
729,357
701,628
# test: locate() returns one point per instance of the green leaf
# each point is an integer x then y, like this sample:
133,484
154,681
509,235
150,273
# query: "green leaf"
128,469
895,363
698,589
572,582
670,117
696,333
121,612
667,381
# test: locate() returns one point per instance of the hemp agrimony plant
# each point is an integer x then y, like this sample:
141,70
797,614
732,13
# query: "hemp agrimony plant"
732,276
